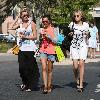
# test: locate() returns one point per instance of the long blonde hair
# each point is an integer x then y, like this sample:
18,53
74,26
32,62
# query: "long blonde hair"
81,13
24,10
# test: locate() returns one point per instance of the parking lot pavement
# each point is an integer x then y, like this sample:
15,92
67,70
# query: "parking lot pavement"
63,82
67,61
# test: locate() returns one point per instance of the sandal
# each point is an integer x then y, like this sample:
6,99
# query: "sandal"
91,57
28,90
80,90
44,89
49,88
23,87
78,83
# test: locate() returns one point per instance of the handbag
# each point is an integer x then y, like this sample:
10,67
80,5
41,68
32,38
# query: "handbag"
59,53
66,43
15,50
60,38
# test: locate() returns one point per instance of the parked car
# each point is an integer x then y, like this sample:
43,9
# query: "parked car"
7,38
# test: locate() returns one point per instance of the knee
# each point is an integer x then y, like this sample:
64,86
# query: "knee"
49,70
81,65
44,69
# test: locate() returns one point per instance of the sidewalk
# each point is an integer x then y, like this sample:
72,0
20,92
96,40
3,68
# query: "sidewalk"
67,61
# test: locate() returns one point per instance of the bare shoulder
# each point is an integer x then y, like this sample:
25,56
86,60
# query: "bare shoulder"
33,24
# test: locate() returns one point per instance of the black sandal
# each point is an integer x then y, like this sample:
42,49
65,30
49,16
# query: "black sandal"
22,87
78,83
80,90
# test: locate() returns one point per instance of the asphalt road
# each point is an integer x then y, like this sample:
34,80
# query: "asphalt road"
64,87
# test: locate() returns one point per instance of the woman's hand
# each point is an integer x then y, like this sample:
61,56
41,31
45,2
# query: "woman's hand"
71,34
44,35
21,35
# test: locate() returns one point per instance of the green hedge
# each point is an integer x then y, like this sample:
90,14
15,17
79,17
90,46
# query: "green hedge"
5,46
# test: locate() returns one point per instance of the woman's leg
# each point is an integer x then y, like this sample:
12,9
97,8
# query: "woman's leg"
81,67
75,69
50,67
93,51
44,70
32,71
90,52
22,67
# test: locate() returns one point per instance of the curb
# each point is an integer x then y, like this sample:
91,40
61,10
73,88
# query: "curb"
6,54
68,61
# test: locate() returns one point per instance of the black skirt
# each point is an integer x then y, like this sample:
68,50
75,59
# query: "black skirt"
28,69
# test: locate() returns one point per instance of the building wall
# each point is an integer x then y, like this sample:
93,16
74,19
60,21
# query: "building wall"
97,21
6,24
96,14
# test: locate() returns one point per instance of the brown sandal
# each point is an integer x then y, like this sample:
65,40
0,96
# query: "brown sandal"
49,88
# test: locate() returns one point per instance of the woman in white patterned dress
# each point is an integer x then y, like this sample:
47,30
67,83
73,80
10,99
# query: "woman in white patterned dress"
78,48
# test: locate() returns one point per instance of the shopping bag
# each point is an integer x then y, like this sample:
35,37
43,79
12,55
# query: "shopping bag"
15,49
60,38
59,53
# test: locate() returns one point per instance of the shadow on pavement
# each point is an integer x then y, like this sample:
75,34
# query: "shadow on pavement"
98,75
57,86
73,84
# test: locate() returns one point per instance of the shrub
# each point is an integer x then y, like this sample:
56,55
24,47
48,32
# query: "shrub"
5,46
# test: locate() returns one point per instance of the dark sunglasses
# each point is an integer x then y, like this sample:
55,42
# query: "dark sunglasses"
76,16
44,21
26,15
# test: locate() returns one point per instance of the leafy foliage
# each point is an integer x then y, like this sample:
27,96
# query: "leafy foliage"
60,10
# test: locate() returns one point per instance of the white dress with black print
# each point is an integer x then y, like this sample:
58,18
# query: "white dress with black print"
78,48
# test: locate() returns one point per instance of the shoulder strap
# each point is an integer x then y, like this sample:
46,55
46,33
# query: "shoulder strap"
27,26
73,26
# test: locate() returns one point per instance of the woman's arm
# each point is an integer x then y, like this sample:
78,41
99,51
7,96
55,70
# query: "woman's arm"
33,36
52,38
97,37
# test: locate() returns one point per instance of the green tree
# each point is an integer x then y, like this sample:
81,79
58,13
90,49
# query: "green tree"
63,11
60,10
